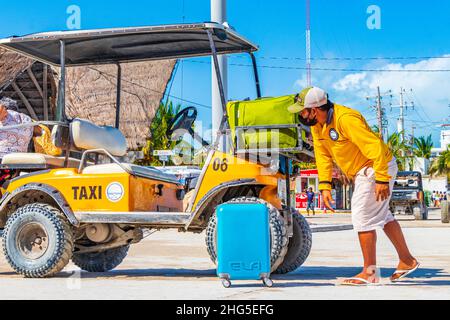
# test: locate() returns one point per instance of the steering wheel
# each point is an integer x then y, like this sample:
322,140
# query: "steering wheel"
183,120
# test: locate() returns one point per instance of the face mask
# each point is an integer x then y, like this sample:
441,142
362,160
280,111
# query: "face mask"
307,121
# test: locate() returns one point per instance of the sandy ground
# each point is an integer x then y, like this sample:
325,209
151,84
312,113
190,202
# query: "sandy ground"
171,265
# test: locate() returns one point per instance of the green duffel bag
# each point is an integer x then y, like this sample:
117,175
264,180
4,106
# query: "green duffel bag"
263,112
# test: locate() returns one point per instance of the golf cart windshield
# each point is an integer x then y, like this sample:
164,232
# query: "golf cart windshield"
129,44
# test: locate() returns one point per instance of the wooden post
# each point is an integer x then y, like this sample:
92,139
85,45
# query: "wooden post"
36,83
45,92
25,101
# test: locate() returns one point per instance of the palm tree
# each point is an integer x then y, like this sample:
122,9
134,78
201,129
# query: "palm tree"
159,140
400,149
441,165
423,146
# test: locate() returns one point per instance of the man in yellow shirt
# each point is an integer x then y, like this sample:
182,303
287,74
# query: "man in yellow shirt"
342,135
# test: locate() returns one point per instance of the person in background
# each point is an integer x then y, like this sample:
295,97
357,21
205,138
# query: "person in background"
310,201
13,140
437,199
433,198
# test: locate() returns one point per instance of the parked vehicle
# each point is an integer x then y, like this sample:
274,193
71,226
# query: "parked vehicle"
408,196
61,208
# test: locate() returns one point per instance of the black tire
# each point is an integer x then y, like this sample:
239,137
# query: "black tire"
425,213
444,212
299,245
100,261
417,212
38,241
278,235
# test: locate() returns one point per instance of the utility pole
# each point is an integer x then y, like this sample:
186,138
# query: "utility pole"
219,15
381,121
308,44
401,119
379,113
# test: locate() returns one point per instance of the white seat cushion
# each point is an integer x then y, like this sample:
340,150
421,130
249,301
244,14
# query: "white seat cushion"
86,136
37,159
145,172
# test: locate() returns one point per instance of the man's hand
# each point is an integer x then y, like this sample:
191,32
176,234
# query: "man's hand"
328,199
3,112
382,191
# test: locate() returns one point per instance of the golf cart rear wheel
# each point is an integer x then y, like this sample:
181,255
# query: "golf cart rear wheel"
278,234
420,213
100,261
38,241
299,245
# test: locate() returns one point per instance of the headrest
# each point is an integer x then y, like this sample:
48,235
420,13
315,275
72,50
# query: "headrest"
87,136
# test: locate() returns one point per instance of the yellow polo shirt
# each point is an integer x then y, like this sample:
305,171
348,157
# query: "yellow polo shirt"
348,141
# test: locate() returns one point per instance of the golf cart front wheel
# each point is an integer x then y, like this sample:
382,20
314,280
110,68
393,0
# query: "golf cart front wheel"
38,241
299,245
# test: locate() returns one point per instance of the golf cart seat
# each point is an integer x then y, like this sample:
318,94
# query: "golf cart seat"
36,161
87,136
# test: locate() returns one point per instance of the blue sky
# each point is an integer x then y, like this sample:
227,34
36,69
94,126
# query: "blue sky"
408,29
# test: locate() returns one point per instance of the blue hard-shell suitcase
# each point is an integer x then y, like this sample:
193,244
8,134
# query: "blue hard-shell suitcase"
243,242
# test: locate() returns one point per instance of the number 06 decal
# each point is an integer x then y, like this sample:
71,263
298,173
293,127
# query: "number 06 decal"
219,164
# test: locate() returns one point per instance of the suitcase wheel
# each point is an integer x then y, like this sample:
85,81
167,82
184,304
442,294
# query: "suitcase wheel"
268,282
226,283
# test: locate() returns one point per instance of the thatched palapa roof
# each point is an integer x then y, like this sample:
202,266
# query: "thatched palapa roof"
90,92
11,65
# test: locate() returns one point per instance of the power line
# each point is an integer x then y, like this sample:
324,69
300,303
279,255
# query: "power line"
156,91
354,58
333,69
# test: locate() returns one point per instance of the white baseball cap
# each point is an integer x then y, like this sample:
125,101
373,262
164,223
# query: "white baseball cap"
312,97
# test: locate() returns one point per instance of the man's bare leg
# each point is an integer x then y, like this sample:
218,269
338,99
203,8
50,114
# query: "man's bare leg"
395,234
368,242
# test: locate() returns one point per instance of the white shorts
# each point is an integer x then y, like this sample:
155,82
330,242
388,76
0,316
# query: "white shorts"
368,213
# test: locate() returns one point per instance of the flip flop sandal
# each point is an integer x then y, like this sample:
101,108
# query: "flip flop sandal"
404,273
365,282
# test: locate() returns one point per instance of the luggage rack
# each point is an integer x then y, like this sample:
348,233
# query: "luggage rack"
289,152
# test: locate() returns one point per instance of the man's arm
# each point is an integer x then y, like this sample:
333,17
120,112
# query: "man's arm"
324,163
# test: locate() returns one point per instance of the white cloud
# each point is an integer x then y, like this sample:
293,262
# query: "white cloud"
431,90
351,81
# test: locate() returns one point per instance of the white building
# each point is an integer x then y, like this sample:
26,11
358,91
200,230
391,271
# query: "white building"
445,141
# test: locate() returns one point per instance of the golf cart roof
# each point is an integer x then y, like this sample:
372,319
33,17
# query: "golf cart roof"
119,45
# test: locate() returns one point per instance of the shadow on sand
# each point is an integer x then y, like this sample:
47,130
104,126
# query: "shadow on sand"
304,276
423,276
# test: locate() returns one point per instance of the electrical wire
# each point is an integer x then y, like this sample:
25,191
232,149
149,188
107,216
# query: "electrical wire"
156,91
332,69
353,58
